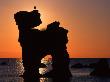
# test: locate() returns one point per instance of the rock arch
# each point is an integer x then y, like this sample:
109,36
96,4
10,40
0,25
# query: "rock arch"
36,44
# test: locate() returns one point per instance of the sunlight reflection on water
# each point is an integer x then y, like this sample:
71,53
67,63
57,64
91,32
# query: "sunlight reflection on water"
45,80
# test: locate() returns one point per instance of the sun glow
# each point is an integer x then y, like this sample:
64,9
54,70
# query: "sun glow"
88,25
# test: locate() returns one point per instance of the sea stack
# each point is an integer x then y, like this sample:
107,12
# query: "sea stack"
101,68
37,44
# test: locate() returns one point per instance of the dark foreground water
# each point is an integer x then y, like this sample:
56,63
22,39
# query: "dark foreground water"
10,69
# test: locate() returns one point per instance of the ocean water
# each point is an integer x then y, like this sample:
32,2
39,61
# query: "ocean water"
10,69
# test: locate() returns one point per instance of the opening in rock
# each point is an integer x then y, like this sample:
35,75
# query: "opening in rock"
46,64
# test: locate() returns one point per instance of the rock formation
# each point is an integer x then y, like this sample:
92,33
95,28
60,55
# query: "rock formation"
36,44
101,68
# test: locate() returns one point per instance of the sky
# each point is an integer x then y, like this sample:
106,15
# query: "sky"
88,22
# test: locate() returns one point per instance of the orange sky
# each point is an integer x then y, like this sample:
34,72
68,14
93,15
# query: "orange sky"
88,22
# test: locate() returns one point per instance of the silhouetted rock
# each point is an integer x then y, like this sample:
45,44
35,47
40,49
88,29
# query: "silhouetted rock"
3,63
92,65
42,65
36,44
78,65
101,68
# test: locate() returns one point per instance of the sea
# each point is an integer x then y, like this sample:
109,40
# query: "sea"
12,68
